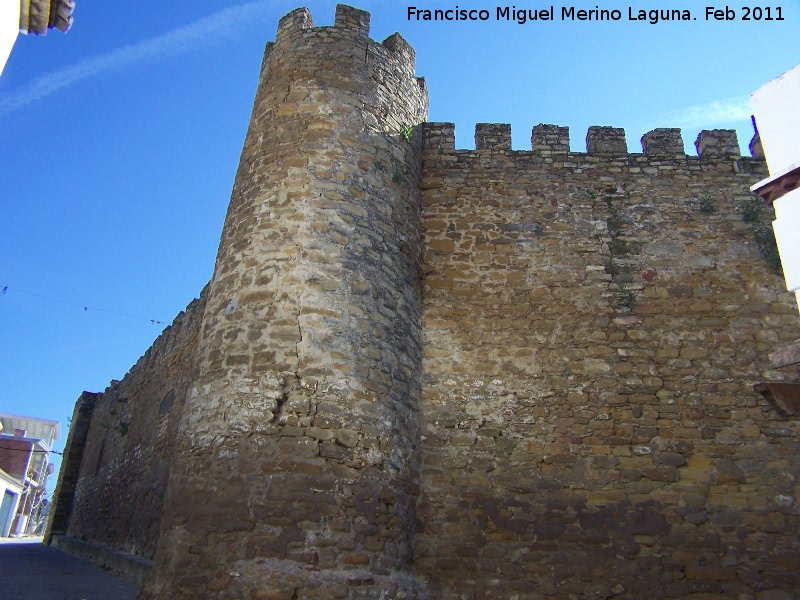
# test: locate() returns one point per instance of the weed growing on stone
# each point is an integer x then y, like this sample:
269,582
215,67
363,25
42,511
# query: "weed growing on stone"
407,132
768,246
625,298
707,205
613,268
753,210
380,165
615,220
397,177
614,224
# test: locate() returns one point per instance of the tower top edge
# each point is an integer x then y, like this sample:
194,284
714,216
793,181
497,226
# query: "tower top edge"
350,23
347,19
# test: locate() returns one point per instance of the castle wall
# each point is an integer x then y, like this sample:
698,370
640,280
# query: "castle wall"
422,372
593,325
123,457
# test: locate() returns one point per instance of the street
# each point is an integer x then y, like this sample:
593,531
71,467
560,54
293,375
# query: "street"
29,570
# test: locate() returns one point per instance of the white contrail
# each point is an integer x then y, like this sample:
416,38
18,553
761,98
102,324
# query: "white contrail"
223,24
719,112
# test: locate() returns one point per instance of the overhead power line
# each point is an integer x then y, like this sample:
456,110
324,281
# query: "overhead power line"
85,308
34,451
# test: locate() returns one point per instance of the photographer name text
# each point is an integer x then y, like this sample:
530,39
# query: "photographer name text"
512,14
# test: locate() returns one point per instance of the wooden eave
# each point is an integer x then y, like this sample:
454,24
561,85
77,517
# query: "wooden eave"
778,185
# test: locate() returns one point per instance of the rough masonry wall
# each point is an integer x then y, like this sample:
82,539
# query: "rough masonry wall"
131,440
69,473
593,326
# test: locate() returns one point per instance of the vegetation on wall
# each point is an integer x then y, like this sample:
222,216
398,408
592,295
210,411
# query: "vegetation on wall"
619,251
707,204
753,214
407,132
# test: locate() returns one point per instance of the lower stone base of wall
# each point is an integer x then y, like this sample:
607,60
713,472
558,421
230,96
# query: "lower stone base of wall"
134,569
273,579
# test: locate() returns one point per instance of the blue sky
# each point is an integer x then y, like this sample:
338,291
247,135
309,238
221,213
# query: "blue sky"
119,142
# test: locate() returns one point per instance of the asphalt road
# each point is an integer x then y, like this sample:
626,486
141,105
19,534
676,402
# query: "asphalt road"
29,570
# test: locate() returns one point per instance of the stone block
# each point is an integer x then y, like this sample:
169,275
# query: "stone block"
606,140
352,20
663,142
550,138
717,143
439,136
297,21
493,136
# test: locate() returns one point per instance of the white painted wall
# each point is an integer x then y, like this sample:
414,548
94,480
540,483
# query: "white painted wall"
776,106
787,232
9,28
5,525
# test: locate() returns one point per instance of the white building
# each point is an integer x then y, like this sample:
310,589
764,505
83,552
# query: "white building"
25,446
776,107
11,490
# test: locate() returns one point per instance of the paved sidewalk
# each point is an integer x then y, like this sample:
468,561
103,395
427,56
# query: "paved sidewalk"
29,570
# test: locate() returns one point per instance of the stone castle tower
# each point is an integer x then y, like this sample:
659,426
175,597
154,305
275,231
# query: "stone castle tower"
423,372
315,302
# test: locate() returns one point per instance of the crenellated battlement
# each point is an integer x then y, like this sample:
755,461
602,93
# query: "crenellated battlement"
550,138
394,54
717,142
606,140
492,136
296,22
663,142
547,140
348,20
352,20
